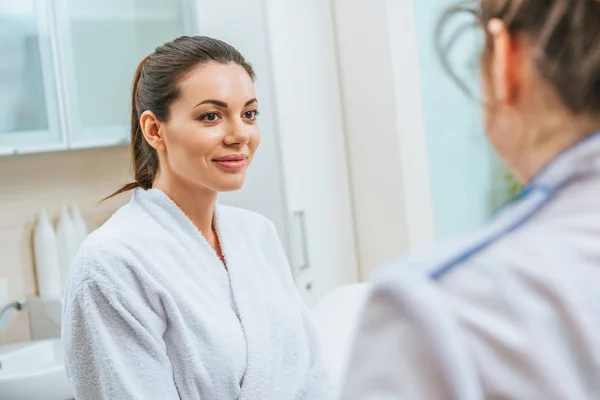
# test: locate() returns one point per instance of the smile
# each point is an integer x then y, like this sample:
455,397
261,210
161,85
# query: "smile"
233,162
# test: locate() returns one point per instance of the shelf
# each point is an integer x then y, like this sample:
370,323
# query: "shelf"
44,148
105,136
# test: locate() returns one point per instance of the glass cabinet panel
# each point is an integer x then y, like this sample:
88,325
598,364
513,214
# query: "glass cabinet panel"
29,116
101,45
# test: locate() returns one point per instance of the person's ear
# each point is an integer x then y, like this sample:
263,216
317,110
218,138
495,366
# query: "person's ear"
151,127
506,66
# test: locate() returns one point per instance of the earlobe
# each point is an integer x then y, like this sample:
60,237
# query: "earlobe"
151,128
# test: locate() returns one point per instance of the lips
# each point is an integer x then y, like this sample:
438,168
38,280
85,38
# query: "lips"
232,162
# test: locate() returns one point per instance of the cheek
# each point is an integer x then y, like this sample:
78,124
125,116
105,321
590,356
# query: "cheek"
488,116
205,139
489,108
490,120
193,139
254,138
500,130
489,125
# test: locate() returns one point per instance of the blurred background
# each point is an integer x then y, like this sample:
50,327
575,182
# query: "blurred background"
369,150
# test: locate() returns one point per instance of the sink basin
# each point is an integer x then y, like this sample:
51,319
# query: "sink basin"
34,371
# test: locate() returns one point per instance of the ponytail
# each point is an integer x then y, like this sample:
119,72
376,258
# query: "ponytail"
143,156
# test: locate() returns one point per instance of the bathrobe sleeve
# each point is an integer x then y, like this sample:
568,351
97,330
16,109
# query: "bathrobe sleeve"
409,346
113,345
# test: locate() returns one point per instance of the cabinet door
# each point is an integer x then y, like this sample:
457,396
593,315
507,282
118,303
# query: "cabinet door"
101,44
313,144
29,118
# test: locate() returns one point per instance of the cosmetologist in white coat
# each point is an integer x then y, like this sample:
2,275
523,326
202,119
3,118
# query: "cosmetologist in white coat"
513,310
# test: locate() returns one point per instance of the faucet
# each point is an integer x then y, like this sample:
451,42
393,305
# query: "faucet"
8,311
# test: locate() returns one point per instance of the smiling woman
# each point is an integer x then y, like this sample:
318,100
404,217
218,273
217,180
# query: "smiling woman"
175,296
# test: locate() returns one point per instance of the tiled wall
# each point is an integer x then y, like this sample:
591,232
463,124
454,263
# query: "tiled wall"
29,182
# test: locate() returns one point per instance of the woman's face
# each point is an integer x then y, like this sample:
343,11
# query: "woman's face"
212,134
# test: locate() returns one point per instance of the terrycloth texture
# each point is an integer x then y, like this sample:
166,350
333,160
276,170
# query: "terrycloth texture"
512,312
151,313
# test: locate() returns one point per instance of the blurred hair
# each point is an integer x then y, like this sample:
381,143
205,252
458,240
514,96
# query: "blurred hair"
565,35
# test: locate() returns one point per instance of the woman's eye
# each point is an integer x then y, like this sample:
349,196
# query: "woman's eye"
210,117
251,115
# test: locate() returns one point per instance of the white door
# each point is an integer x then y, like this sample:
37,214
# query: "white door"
307,89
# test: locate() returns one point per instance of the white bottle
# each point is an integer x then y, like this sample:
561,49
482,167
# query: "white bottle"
66,243
81,230
48,273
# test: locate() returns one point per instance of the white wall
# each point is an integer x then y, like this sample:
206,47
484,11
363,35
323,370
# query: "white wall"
49,180
384,123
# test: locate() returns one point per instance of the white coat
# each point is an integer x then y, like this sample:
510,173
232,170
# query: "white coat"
510,312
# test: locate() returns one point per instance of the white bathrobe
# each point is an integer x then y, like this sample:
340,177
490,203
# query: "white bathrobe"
511,312
151,312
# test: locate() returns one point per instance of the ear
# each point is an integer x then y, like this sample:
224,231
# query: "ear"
151,127
506,65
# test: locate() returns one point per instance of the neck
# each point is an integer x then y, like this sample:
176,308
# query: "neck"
197,203
544,146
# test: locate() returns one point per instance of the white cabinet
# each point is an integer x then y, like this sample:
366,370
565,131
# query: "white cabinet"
67,66
29,115
313,144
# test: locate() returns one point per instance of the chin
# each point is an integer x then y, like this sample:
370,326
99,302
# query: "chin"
231,185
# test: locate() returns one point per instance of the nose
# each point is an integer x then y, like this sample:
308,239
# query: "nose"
238,134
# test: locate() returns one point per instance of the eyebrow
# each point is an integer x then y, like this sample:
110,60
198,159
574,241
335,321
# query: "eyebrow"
222,104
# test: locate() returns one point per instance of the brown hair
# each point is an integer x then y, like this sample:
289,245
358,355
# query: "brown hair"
565,35
156,86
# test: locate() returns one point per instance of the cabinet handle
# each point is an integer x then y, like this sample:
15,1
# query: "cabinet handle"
302,256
